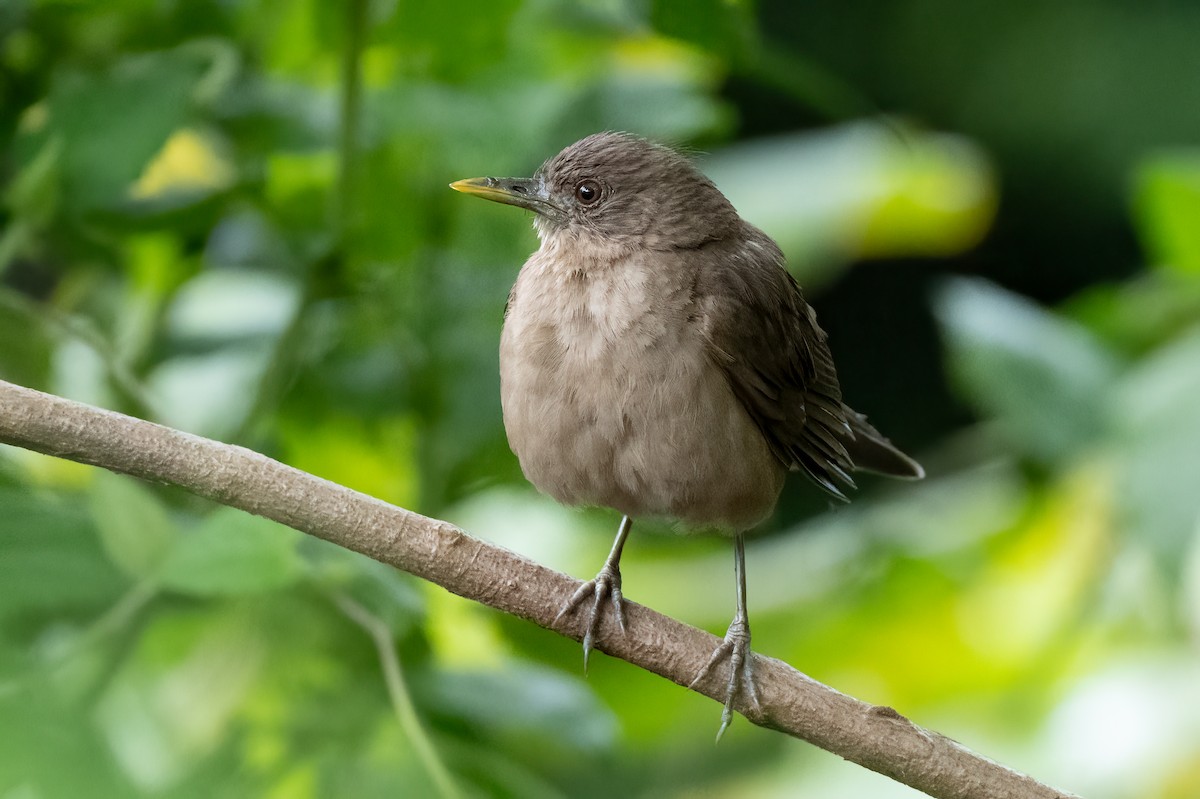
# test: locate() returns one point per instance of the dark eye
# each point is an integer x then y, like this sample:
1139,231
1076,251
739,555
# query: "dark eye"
587,191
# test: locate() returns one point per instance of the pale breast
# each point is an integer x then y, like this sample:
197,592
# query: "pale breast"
610,399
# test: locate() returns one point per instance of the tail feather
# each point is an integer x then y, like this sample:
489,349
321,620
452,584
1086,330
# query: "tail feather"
871,452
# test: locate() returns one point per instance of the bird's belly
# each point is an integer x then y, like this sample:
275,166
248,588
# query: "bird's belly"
641,424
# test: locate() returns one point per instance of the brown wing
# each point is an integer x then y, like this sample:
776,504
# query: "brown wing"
765,338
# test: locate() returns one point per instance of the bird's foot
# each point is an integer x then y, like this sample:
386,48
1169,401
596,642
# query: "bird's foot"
605,584
736,647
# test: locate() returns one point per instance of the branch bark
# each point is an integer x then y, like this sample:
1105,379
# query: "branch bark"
873,736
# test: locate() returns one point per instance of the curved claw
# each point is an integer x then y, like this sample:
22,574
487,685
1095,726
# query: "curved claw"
606,583
736,647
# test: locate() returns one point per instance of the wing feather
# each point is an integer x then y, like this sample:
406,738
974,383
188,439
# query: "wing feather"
765,339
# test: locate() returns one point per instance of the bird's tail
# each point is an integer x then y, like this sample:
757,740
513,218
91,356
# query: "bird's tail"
871,452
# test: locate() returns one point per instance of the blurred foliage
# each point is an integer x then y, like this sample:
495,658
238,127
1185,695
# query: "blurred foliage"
205,220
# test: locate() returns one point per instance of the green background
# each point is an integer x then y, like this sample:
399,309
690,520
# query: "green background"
207,222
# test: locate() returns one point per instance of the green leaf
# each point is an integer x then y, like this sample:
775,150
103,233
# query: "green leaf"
717,26
859,191
112,122
182,387
1167,205
528,701
49,560
52,748
33,193
454,39
22,322
1043,377
1157,420
134,527
233,553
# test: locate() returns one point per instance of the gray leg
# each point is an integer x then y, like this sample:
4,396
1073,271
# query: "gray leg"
736,645
606,583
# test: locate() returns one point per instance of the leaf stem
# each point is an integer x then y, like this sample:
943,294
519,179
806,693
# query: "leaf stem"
402,704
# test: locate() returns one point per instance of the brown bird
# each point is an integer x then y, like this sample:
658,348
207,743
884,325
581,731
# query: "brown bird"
658,358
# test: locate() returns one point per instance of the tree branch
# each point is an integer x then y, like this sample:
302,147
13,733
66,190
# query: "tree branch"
876,737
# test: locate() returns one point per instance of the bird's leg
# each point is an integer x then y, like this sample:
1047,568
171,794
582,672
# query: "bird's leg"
736,646
606,583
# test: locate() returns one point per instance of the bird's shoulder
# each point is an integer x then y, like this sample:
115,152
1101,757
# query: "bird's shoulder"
763,336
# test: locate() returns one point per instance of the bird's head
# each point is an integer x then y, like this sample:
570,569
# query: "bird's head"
620,188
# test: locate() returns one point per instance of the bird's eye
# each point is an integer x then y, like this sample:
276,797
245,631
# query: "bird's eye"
587,191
